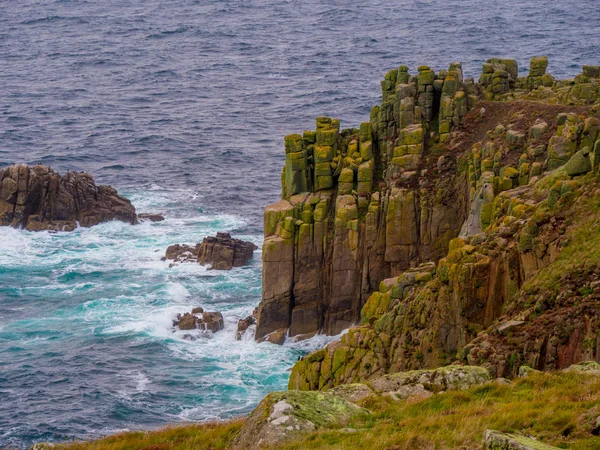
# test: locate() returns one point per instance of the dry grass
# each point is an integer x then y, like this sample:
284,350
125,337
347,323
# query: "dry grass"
559,409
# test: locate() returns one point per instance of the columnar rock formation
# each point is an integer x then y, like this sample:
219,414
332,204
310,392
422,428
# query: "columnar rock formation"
520,285
359,205
37,198
435,224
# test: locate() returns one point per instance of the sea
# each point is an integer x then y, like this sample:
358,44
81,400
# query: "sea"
182,106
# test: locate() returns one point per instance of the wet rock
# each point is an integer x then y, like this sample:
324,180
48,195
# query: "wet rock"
244,324
151,217
283,416
276,337
37,198
205,321
182,253
495,440
223,252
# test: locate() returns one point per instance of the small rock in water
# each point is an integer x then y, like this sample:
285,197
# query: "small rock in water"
198,319
151,217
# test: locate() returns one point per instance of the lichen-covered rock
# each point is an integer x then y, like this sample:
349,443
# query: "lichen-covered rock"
424,383
283,416
37,198
495,440
354,393
584,367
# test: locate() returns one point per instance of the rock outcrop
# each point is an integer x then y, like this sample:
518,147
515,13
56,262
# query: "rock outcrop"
517,189
495,440
363,205
283,416
201,320
222,252
37,198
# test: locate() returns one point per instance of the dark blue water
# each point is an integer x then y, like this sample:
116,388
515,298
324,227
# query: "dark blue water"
182,106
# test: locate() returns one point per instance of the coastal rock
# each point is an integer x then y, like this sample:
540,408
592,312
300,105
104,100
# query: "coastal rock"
199,319
283,416
223,252
244,324
182,253
151,217
495,440
424,383
37,198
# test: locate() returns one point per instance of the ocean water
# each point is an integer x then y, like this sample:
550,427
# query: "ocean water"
182,106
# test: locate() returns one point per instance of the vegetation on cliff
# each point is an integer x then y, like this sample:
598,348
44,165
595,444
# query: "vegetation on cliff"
560,409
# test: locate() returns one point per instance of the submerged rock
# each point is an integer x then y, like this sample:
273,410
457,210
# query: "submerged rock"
283,416
222,252
199,319
151,217
37,198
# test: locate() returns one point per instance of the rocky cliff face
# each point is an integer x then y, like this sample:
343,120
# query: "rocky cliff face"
37,198
520,285
362,205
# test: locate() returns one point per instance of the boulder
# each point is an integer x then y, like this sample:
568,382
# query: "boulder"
284,416
37,198
223,252
182,253
276,337
579,164
424,383
584,367
199,319
495,440
354,392
244,324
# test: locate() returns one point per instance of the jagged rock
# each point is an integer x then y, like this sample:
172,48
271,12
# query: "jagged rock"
182,253
37,198
244,324
276,337
151,217
198,319
283,416
424,383
495,440
224,253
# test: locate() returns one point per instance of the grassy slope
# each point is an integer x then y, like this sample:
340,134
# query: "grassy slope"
560,409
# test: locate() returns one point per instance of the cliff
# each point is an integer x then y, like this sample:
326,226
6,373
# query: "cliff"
37,198
519,283
367,231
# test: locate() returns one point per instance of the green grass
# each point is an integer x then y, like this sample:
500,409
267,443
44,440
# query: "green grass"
559,409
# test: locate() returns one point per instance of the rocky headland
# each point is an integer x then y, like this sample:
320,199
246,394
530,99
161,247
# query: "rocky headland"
455,235
38,198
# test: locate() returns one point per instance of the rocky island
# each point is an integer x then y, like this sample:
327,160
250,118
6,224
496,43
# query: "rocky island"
38,198
455,236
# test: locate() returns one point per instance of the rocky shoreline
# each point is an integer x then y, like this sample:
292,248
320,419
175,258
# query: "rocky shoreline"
454,235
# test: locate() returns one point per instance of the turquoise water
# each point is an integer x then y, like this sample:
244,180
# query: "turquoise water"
86,338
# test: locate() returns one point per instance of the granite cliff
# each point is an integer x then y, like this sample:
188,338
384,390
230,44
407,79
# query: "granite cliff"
458,225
